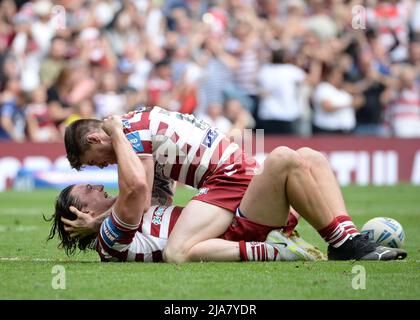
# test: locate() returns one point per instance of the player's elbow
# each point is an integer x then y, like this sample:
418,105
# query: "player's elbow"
136,188
142,187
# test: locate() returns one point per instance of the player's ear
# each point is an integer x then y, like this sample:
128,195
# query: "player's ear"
93,138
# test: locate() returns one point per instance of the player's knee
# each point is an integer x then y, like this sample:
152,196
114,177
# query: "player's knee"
312,157
284,158
173,255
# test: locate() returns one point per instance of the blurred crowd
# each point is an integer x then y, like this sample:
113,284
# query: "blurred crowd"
288,67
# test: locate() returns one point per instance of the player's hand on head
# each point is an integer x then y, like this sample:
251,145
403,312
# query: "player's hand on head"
83,226
112,124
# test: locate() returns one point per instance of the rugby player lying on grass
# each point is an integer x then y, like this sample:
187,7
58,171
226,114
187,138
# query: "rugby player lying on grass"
213,249
206,159
127,234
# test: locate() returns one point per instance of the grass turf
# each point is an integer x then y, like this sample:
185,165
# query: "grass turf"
26,260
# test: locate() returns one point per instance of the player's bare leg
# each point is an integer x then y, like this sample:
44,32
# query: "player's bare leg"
225,250
215,250
285,180
199,221
328,186
325,179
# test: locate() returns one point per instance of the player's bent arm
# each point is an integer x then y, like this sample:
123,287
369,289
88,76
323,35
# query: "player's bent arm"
132,182
149,168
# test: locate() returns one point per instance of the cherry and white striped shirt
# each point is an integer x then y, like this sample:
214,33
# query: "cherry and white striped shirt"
119,241
407,104
184,148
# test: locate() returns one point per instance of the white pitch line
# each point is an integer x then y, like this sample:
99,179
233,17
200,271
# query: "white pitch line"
22,211
18,228
29,259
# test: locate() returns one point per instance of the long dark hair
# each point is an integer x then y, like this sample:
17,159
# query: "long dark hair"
62,205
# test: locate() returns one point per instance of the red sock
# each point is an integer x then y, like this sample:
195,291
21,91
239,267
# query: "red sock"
348,225
292,222
257,251
334,234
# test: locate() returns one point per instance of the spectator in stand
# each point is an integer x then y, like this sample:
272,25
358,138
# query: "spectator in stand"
217,70
56,60
245,45
95,50
41,126
216,118
415,55
122,31
212,52
370,115
9,69
108,100
8,12
185,98
415,18
83,110
279,89
43,28
404,104
320,21
239,117
27,52
160,84
72,86
136,66
391,19
12,112
368,74
334,108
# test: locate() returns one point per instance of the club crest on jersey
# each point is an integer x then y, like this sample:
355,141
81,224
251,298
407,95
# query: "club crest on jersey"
210,138
134,138
157,216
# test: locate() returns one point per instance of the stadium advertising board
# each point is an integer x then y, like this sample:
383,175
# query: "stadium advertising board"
363,161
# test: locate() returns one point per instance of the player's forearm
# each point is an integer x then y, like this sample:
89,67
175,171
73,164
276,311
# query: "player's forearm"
131,173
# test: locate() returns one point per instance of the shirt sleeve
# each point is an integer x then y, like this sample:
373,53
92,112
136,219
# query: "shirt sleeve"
137,130
115,238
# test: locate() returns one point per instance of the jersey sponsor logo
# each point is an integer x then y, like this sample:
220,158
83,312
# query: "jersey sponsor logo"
126,124
134,138
210,138
109,232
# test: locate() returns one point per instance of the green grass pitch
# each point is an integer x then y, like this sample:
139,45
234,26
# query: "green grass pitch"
26,260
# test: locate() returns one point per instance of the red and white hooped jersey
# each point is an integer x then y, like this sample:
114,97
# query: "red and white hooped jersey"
119,241
406,104
184,148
